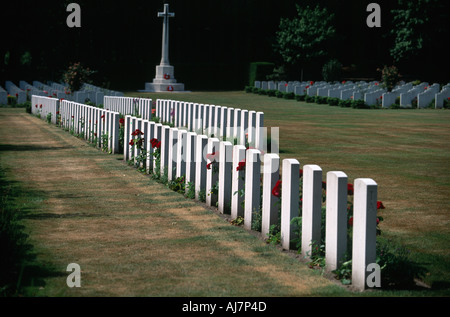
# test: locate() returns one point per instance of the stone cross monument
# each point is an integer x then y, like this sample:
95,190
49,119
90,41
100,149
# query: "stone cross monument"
165,79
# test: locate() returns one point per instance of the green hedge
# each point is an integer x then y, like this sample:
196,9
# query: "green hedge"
259,71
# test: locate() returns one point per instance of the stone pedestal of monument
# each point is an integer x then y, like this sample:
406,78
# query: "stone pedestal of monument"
164,80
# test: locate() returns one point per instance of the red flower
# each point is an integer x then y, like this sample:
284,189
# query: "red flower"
121,121
212,156
36,106
276,190
349,189
40,106
131,142
350,221
208,166
343,81
102,117
378,221
324,185
158,145
153,111
285,85
17,95
137,132
241,166
380,205
301,173
57,112
311,83
154,142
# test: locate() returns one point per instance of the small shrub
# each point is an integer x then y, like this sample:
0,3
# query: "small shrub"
271,92
345,103
359,104
255,90
309,99
289,95
12,100
332,101
248,89
300,97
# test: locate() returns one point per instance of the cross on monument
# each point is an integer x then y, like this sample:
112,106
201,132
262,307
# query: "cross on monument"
165,37
164,79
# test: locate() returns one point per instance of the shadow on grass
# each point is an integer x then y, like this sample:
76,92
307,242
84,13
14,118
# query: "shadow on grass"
19,267
28,147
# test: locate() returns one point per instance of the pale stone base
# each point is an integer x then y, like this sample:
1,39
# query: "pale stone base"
152,87
161,84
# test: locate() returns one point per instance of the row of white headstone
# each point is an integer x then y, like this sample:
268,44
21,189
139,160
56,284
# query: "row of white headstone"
185,153
130,106
56,90
94,124
13,90
3,96
225,123
371,92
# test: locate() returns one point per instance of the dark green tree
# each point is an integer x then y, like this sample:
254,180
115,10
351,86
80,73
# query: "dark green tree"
417,25
305,38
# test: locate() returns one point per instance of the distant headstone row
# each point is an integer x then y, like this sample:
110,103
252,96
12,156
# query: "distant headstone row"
130,106
371,92
222,122
88,92
96,125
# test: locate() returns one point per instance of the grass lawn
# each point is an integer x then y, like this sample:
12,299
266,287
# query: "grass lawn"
407,152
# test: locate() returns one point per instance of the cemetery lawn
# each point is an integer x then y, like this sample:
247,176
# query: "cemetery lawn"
406,151
130,235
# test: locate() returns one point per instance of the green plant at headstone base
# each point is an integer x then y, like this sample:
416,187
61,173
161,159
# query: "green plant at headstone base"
309,99
137,142
320,99
289,95
156,171
256,220
190,192
239,221
202,195
271,92
12,100
274,235
332,101
178,185
49,117
447,103
359,104
105,141
248,89
121,132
